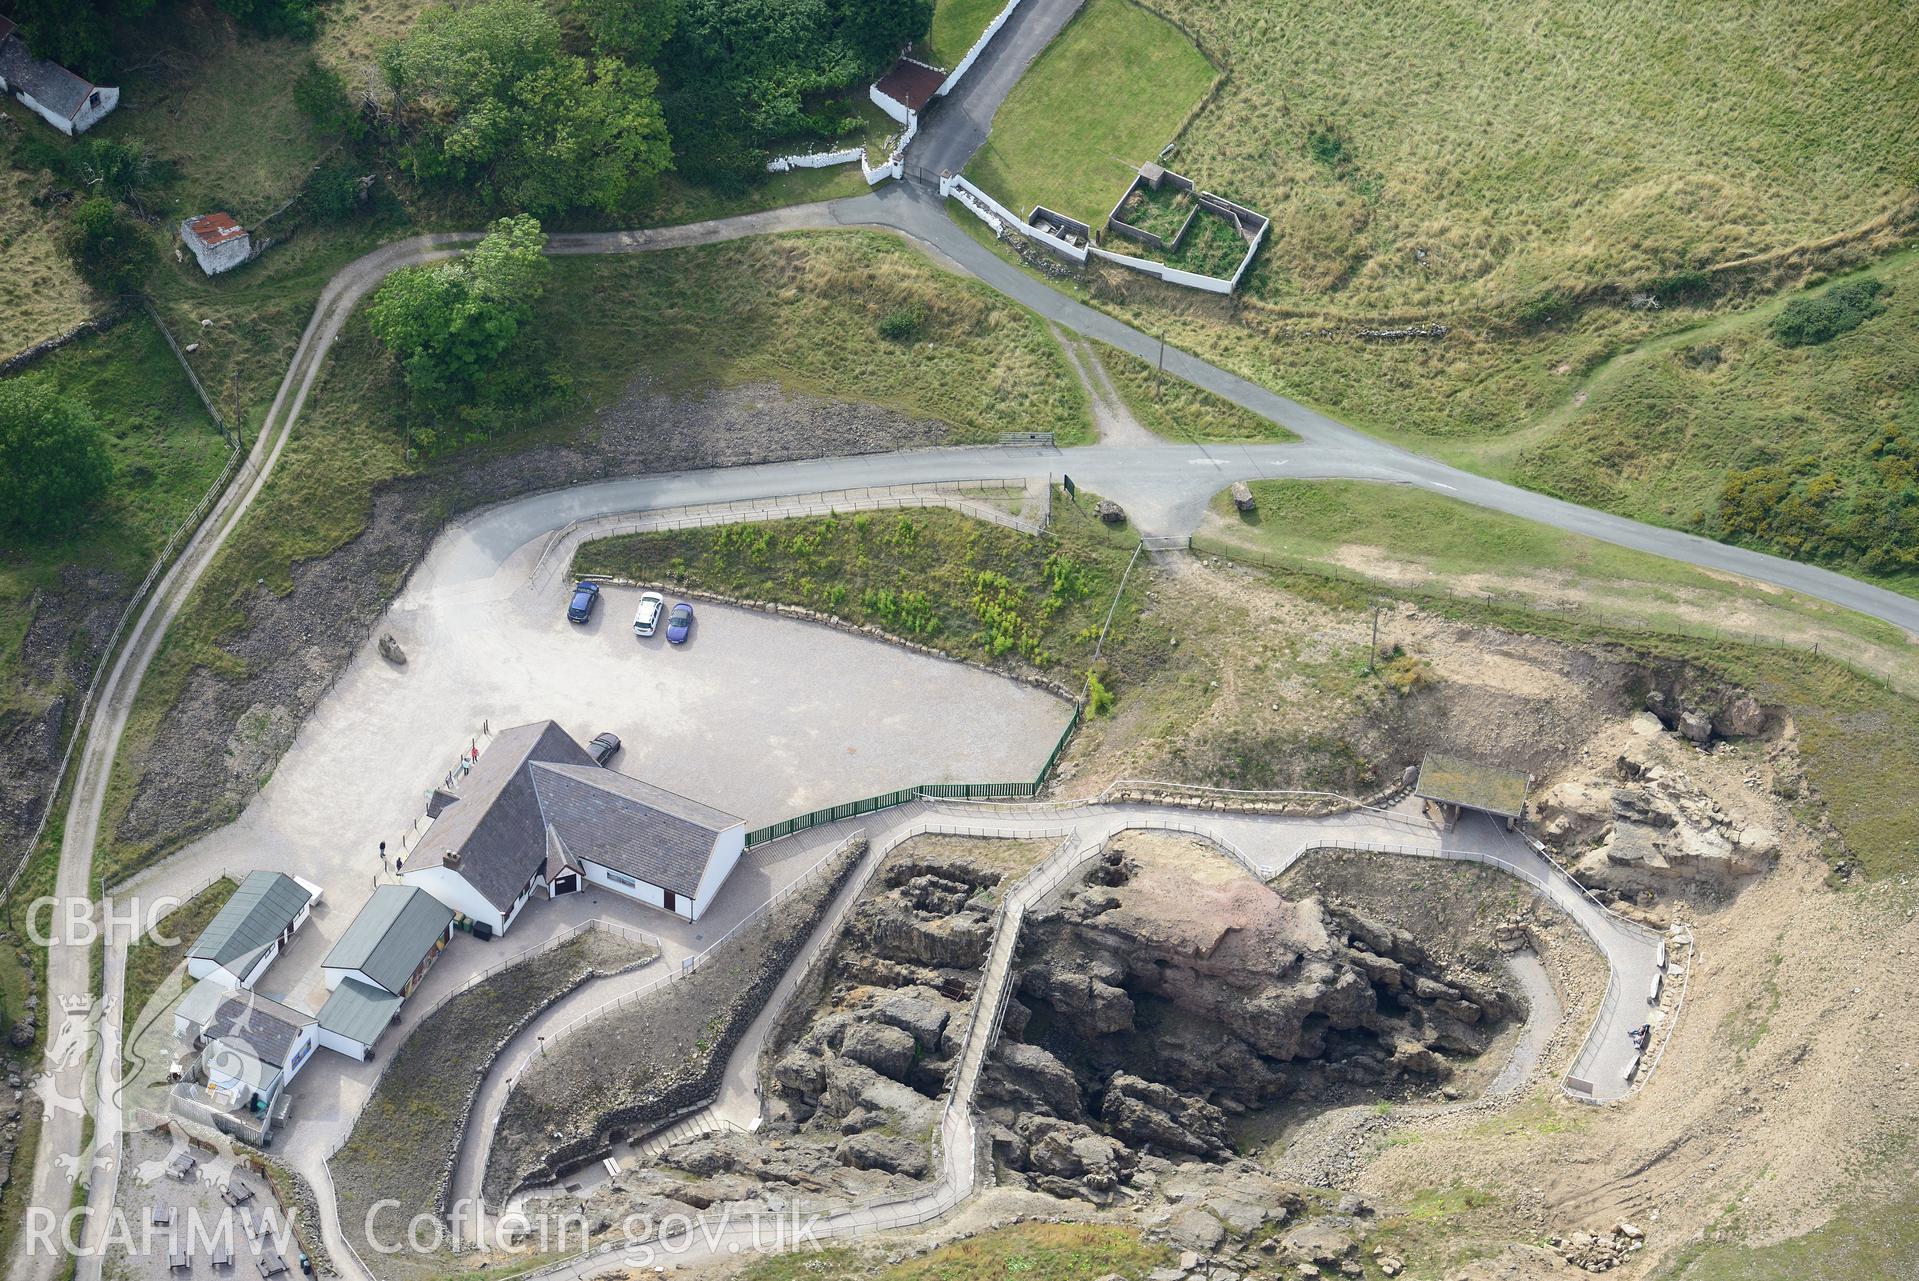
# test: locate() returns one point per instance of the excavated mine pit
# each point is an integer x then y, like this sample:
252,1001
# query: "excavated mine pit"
1167,998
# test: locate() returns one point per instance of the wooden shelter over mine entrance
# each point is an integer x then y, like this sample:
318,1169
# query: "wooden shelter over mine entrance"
1451,785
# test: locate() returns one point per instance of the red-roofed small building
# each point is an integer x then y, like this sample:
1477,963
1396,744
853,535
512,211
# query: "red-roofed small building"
217,241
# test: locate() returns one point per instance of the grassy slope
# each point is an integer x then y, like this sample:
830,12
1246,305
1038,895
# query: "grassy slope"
1178,410
956,25
165,452
1524,148
1055,1251
149,963
1105,96
40,295
803,310
1661,427
914,574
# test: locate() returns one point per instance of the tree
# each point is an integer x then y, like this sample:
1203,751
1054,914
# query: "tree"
53,462
741,72
494,103
634,30
449,324
109,249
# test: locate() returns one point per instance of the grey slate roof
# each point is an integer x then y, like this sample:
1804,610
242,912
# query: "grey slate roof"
391,935
535,776
358,1012
644,831
495,826
256,915
51,84
265,1027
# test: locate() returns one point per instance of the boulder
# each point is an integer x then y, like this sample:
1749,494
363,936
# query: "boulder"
889,1153
390,650
1317,1241
1196,1230
924,1021
1741,717
1696,726
1110,512
1088,1005
1243,496
1032,1080
1150,1115
886,1049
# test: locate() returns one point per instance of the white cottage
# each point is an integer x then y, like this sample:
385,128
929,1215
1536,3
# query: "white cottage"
67,102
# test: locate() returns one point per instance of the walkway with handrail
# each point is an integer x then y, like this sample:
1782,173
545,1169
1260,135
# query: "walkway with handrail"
1266,845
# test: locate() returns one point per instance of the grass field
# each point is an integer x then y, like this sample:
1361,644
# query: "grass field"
956,25
1180,411
935,577
40,295
1105,96
1526,149
165,452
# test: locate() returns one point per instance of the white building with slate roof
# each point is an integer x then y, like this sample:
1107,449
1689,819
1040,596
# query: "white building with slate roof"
64,100
537,815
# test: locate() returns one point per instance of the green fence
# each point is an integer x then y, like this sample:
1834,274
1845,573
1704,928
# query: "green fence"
946,791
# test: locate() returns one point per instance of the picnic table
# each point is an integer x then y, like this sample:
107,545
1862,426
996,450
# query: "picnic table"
182,1166
178,1259
161,1218
272,1265
222,1257
236,1194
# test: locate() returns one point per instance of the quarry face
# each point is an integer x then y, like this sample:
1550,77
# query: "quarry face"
1167,993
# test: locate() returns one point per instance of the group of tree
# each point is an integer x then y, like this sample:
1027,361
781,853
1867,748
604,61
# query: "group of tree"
79,34
449,325
53,460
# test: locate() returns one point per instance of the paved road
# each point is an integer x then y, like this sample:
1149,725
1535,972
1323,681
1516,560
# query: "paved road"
954,127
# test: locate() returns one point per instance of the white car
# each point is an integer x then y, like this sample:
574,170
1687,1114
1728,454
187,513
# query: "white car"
647,620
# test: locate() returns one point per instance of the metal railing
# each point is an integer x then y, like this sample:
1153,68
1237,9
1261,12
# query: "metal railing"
925,791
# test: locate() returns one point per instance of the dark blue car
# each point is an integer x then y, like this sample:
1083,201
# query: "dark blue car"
679,623
585,595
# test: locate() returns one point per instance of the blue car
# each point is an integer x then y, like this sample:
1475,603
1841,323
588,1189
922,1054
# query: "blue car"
585,595
679,623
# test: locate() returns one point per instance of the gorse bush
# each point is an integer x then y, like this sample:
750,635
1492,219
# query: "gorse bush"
1822,317
53,460
1869,516
903,324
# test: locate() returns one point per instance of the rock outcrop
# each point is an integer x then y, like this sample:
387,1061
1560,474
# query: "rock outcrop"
1171,991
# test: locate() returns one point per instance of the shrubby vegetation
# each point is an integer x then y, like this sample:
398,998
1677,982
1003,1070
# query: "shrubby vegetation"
449,324
108,249
1868,516
1821,317
53,462
489,101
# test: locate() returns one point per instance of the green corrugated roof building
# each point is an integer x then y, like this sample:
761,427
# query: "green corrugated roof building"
265,906
393,933
358,1012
